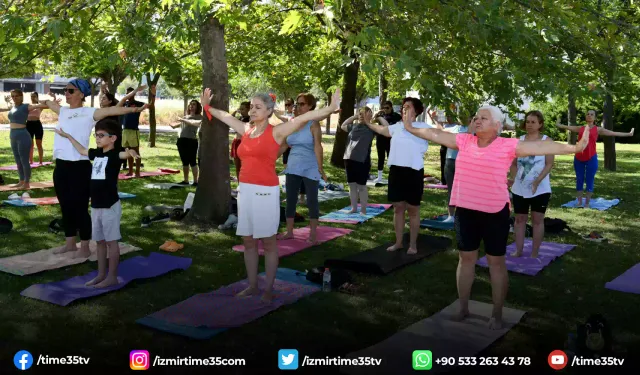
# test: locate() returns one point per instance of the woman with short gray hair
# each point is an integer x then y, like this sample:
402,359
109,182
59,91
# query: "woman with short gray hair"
481,197
259,188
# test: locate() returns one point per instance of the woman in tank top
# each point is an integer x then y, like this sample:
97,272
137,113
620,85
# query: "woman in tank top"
530,185
35,129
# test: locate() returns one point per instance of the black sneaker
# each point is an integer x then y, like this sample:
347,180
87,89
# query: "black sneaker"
183,183
194,184
161,217
146,221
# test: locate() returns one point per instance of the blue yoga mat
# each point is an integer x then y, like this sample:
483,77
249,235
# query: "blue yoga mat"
344,215
595,203
437,223
122,195
18,203
204,333
64,292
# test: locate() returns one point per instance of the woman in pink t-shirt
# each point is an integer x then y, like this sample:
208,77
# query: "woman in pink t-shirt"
481,196
586,163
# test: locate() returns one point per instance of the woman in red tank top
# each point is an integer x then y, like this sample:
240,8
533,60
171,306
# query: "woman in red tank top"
585,163
259,188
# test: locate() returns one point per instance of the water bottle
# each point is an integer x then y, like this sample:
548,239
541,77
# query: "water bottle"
326,280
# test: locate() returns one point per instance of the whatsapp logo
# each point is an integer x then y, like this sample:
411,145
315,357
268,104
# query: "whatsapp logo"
421,360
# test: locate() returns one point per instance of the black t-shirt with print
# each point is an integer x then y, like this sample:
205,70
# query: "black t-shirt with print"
104,177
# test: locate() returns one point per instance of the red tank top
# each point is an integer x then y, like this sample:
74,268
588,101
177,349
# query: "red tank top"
258,156
590,150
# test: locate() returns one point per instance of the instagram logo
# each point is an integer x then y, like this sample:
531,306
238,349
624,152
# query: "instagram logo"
139,360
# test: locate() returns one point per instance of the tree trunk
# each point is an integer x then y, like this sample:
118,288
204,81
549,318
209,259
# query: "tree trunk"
328,124
152,108
93,89
572,117
382,87
213,195
346,110
185,101
609,142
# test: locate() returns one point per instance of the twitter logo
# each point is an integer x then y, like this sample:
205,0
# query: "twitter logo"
288,359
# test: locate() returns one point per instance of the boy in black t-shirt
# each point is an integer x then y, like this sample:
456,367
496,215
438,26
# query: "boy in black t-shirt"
106,210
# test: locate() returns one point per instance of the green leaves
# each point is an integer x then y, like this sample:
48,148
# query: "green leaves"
291,23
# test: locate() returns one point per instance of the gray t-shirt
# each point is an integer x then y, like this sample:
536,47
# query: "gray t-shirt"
360,139
190,131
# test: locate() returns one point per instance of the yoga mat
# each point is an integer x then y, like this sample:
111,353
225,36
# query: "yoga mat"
375,183
164,186
33,186
343,216
43,260
439,334
531,266
187,317
64,292
595,203
122,195
299,240
33,165
379,261
159,172
627,282
19,203
326,195
437,223
435,186
31,202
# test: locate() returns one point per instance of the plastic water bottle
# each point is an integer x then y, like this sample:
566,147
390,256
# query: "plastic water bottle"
188,202
326,280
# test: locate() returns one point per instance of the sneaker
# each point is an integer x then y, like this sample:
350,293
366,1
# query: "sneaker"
161,217
183,183
194,184
25,195
146,221
449,219
231,220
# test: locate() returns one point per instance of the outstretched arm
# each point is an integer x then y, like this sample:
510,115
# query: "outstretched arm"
54,104
131,95
567,127
282,131
37,106
81,149
551,148
223,116
128,153
609,133
101,113
381,128
434,135
191,122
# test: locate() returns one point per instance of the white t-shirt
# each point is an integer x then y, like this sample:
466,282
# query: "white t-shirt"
529,168
407,150
78,123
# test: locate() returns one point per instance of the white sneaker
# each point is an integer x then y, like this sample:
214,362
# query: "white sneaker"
449,219
14,196
231,220
25,195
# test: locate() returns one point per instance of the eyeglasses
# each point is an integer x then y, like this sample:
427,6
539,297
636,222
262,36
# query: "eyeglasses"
102,135
298,104
288,105
385,108
70,91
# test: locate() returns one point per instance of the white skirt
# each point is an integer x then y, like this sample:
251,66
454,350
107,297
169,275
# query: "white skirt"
258,210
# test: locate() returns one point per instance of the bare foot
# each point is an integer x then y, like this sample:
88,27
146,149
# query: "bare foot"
412,250
250,291
363,213
109,281
312,239
495,323
65,249
18,185
81,254
285,236
96,280
586,206
138,175
129,174
394,247
460,316
26,186
267,297
534,254
517,254
353,211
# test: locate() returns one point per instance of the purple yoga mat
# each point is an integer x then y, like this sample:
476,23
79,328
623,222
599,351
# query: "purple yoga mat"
531,266
299,240
222,309
627,282
33,165
64,292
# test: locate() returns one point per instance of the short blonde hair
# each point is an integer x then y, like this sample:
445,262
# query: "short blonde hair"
496,115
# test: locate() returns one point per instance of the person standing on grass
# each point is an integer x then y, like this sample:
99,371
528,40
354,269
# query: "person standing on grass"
35,129
72,173
481,197
357,160
106,210
585,163
383,144
406,173
131,129
530,186
259,188
20,137
188,141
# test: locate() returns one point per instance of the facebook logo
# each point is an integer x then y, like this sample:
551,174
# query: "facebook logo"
23,360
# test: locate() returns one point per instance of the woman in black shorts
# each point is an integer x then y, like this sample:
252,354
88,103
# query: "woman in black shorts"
34,127
406,172
357,161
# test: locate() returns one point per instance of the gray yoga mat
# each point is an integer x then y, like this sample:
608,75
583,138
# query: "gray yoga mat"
164,186
439,334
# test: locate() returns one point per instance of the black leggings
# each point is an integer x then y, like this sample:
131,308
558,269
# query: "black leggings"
188,150
383,145
443,160
293,183
72,183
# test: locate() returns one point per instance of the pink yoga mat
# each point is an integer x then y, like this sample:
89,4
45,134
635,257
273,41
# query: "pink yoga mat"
159,172
434,186
299,241
42,201
33,185
33,165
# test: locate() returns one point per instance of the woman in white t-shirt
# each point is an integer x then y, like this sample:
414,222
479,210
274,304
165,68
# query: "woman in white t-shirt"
72,173
531,185
406,173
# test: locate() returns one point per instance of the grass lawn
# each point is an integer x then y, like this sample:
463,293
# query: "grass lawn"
324,324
